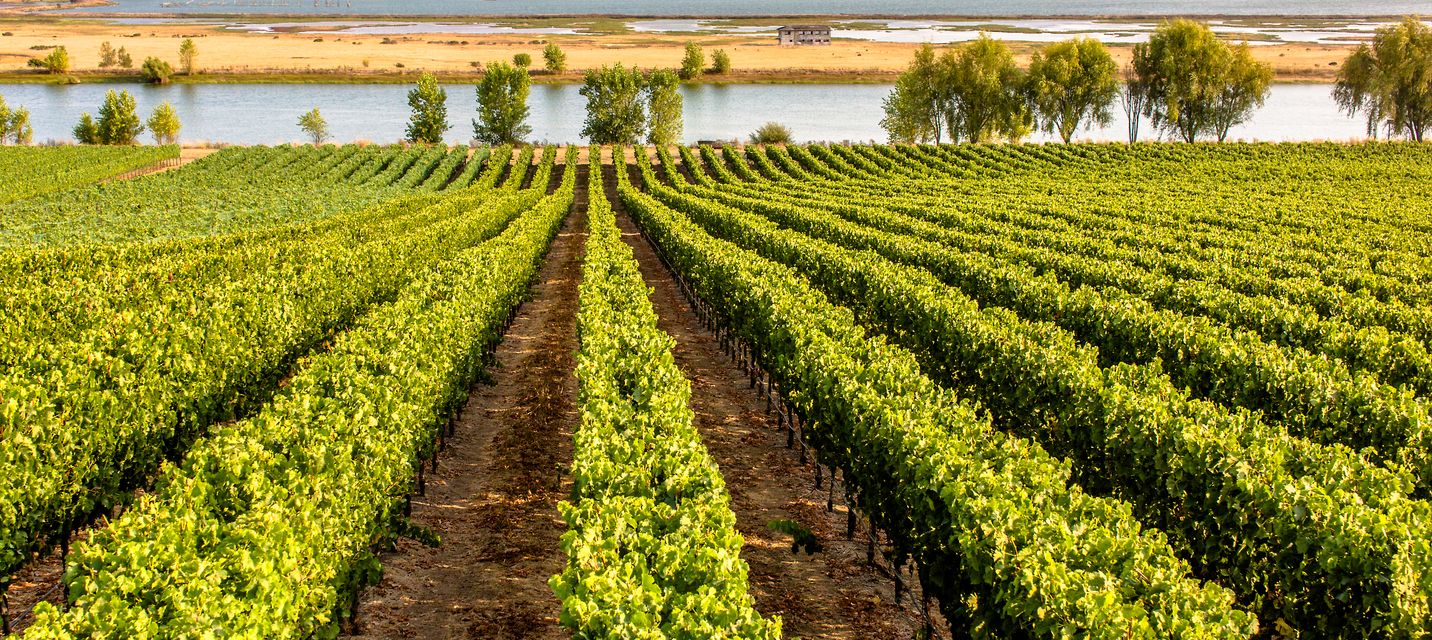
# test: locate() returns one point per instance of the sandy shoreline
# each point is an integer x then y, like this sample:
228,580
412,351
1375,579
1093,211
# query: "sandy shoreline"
236,56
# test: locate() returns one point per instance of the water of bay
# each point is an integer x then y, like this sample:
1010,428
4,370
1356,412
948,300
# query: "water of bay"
268,113
775,7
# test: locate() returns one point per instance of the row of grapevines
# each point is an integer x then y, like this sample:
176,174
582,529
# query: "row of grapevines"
1393,358
1214,256
233,190
1008,546
1312,396
33,171
444,173
1323,525
93,409
1294,244
268,529
652,548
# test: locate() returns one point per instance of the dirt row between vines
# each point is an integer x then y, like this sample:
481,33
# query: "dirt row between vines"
493,499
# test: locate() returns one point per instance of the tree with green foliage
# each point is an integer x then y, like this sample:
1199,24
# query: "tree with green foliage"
771,133
1246,84
428,101
118,122
555,58
720,62
985,93
1195,84
107,55
87,131
615,113
19,130
692,62
315,126
1072,84
502,109
523,60
1391,81
125,60
156,71
664,105
913,110
164,124
15,125
57,62
188,55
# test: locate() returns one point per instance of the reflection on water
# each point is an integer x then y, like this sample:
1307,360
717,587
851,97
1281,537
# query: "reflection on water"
268,114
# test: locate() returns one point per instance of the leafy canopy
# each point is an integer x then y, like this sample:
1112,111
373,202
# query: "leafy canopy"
1195,84
314,125
164,124
502,109
1391,81
428,101
1072,84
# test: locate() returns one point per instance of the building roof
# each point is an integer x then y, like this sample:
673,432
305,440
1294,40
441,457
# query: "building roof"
805,27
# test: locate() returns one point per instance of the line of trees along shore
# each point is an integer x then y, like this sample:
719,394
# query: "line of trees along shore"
1184,81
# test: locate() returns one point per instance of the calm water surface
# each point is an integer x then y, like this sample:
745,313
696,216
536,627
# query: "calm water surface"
268,113
777,7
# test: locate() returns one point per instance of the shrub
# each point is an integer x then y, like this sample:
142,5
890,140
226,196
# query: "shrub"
771,133
156,71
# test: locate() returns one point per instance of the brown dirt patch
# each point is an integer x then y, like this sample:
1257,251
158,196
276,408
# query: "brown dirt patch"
494,497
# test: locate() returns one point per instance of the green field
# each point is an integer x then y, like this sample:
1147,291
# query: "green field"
1095,391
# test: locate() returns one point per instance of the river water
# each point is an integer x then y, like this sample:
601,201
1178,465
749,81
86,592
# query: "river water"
268,113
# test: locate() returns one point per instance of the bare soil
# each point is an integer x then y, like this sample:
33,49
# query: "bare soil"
494,497
300,57
834,593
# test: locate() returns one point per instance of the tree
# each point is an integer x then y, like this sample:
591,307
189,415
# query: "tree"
984,96
125,60
156,71
1194,84
502,105
1391,81
87,132
429,103
555,58
1071,84
692,62
107,56
164,124
1133,97
314,125
188,54
664,108
57,62
1245,86
615,113
118,119
913,109
20,131
15,125
720,62
771,133
523,60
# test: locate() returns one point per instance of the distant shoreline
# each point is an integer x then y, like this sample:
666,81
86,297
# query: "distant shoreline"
305,54
51,9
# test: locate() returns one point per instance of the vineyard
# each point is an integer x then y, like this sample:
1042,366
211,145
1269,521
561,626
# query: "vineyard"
1003,391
